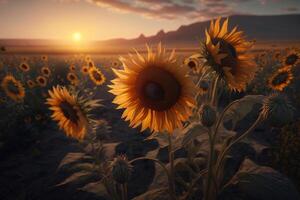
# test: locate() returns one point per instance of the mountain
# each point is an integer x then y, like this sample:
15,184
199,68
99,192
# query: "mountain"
260,28
277,28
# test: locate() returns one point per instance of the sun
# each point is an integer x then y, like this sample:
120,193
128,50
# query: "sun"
76,36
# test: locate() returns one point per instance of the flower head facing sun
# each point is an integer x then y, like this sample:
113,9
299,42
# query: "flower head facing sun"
46,71
154,91
42,81
13,88
281,78
226,53
72,77
24,67
96,76
71,112
291,58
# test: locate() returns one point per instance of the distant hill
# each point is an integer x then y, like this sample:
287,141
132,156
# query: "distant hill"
261,28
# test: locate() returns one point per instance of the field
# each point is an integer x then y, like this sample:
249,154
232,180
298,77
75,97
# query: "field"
39,161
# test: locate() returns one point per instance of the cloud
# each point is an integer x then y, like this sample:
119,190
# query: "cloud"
168,9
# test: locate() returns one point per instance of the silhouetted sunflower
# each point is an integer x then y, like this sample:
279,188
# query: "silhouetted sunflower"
24,67
281,78
42,81
96,76
291,58
71,112
85,70
226,53
31,83
13,88
46,71
72,77
154,90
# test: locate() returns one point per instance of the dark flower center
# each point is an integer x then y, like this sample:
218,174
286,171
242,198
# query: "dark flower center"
231,55
97,76
13,87
291,59
41,80
192,64
157,88
69,112
280,78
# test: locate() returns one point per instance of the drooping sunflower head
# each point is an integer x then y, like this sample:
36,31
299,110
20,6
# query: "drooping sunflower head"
42,81
281,78
154,90
226,52
71,112
31,83
24,67
46,71
96,76
13,88
85,70
72,77
292,57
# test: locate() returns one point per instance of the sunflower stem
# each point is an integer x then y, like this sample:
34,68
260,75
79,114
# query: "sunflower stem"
171,161
214,91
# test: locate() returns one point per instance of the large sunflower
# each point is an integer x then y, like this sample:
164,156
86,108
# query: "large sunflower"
154,91
281,78
71,112
226,53
96,76
13,88
292,57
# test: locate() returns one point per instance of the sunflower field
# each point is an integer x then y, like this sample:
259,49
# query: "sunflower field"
222,123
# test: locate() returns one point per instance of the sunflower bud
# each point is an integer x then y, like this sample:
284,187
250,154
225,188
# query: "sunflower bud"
121,170
207,115
277,110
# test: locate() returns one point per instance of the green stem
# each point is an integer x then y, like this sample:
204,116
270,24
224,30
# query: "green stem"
214,91
172,174
240,138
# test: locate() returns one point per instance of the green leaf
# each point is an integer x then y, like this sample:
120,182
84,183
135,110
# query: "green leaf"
259,182
194,131
242,107
76,178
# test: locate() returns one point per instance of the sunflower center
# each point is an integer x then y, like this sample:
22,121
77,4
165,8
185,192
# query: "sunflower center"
46,71
291,59
97,76
13,87
41,80
280,78
231,55
157,88
69,112
191,64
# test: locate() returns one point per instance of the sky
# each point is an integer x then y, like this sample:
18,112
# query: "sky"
106,19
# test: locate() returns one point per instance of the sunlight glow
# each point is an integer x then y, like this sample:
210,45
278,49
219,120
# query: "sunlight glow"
76,36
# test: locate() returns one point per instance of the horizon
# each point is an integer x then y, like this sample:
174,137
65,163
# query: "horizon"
123,20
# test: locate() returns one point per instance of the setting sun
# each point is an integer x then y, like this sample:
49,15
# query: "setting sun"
77,36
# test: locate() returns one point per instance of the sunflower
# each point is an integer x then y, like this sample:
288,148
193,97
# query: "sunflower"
154,90
193,64
72,67
96,76
226,53
85,70
24,67
281,78
72,77
42,81
44,58
91,64
71,112
13,88
291,58
46,71
30,83
87,58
